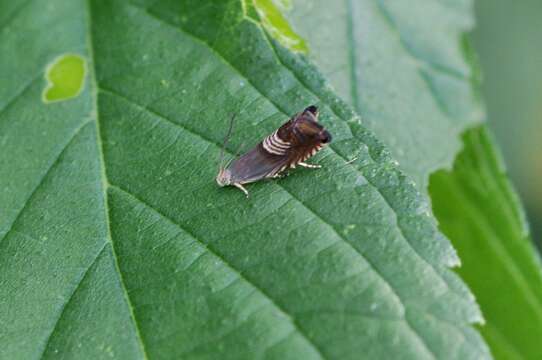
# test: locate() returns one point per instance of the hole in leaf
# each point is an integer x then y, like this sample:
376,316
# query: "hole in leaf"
65,77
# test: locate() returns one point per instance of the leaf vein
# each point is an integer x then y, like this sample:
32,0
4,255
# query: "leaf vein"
14,14
19,93
70,298
42,179
103,174
436,67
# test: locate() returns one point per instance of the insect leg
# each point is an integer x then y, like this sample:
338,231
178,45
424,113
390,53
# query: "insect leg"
242,188
310,166
351,161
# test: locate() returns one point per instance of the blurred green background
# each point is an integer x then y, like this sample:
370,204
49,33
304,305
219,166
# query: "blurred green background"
508,39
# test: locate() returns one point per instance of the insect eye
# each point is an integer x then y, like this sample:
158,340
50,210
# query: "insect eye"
312,109
325,137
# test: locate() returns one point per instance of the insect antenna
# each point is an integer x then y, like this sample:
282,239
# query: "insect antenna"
226,139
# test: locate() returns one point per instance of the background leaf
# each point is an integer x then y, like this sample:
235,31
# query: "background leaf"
401,64
478,209
474,202
115,240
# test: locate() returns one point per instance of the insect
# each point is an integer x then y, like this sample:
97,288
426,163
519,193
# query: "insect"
290,145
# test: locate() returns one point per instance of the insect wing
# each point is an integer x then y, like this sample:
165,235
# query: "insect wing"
255,165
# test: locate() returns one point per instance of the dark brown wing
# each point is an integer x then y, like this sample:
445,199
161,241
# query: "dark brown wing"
255,165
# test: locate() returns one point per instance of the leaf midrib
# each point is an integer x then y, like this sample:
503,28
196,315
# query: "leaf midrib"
103,173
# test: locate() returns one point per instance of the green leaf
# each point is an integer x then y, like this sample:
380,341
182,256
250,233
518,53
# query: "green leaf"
116,242
473,203
477,208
